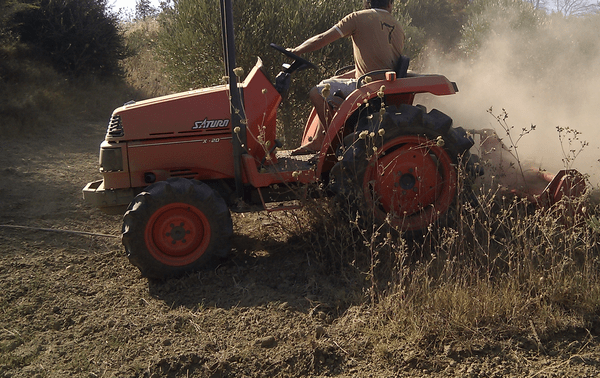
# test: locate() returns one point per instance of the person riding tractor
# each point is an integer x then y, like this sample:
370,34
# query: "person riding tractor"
377,40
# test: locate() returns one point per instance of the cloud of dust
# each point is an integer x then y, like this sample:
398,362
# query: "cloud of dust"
547,77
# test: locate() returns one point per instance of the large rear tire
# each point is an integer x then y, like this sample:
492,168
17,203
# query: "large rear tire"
399,167
176,226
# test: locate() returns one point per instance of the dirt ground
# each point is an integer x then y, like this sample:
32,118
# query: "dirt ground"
71,305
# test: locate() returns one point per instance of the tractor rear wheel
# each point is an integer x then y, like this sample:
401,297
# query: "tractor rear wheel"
399,167
176,226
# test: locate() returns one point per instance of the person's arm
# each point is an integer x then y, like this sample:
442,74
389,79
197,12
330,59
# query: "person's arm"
318,41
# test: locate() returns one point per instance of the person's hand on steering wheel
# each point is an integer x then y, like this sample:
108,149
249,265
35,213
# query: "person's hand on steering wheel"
299,63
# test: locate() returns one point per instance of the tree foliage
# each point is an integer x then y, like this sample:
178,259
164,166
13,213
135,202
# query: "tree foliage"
144,9
76,36
573,7
8,9
498,16
191,36
439,20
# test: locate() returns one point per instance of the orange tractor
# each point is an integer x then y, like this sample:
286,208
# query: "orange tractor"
178,165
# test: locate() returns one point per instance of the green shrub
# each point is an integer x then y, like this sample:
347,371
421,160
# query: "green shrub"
76,36
439,20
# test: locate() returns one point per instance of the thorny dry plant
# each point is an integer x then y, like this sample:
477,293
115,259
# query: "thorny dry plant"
574,145
497,270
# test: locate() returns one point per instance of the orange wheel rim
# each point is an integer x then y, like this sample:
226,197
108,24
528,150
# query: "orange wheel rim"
414,182
177,234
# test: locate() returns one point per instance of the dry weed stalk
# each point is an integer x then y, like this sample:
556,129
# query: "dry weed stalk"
496,271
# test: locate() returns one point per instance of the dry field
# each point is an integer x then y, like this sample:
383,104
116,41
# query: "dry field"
71,305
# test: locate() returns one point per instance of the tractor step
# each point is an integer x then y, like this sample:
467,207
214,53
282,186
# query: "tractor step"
290,205
288,162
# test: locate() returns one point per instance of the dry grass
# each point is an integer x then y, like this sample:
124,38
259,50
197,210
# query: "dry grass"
503,271
34,97
142,68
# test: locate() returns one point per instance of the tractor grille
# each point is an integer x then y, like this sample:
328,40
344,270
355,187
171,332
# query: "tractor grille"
115,127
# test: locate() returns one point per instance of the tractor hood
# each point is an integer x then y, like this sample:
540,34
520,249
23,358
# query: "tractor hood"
197,112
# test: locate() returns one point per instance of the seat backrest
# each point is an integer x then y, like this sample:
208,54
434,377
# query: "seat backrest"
402,66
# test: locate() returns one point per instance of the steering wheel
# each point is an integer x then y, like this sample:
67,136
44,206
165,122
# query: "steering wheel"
299,62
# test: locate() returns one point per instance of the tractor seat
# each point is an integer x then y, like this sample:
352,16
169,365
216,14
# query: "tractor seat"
401,70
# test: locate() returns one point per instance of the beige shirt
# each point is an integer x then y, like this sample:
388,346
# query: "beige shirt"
377,39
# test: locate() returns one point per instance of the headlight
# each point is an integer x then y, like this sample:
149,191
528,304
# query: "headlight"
111,158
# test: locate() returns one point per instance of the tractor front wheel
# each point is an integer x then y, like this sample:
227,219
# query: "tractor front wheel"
176,226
